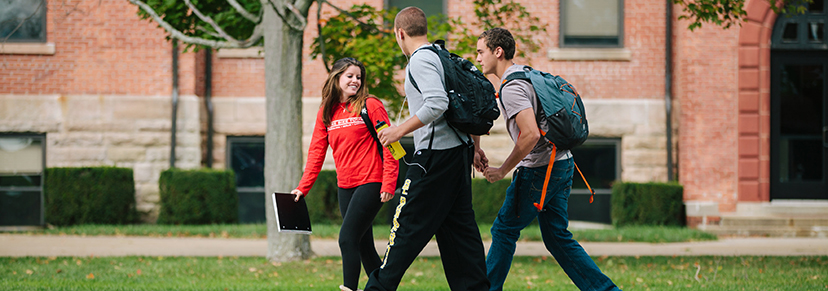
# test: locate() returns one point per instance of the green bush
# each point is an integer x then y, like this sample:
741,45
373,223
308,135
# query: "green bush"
487,198
323,200
92,195
647,204
203,196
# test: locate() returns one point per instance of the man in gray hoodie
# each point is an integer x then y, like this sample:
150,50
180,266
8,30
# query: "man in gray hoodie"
436,198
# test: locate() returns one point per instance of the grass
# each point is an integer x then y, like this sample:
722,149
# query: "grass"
541,273
655,234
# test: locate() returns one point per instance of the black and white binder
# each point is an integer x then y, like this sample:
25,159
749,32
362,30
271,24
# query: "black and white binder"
291,216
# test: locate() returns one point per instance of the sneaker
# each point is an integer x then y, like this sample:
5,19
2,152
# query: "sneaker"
343,288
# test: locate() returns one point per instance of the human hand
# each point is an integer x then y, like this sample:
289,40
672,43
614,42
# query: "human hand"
385,196
298,194
493,174
480,160
389,135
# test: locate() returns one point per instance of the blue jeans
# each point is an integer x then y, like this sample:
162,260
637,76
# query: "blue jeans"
518,211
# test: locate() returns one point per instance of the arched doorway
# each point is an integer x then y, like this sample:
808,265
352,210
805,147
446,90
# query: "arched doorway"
799,105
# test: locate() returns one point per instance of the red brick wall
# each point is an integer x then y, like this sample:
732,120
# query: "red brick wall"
101,47
640,78
706,85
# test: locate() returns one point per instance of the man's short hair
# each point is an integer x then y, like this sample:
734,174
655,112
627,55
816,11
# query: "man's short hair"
500,37
412,20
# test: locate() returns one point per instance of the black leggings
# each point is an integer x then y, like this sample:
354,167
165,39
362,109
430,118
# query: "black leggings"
358,206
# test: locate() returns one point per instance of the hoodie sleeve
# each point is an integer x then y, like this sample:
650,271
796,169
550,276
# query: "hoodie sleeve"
390,166
423,67
316,154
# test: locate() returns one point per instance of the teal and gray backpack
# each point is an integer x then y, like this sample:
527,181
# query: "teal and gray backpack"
565,115
561,104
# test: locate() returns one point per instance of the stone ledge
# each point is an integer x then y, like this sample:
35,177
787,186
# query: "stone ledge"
245,53
589,54
27,48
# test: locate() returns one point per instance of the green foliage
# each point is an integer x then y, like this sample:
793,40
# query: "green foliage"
726,13
177,14
647,204
89,195
371,40
323,199
202,196
487,198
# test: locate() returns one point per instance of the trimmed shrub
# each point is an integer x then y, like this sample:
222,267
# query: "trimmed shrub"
647,204
323,200
90,195
203,196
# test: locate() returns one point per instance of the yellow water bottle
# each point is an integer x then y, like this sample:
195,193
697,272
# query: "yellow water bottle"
395,148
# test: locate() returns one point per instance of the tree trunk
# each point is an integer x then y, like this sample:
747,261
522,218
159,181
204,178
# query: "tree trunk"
283,141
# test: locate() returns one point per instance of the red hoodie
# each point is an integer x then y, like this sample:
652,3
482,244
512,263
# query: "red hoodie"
354,150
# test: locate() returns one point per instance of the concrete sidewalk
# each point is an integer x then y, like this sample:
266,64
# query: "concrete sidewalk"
19,245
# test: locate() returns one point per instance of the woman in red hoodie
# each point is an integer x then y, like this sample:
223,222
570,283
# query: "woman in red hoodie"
365,179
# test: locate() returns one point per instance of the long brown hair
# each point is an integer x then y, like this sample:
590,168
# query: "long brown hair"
331,91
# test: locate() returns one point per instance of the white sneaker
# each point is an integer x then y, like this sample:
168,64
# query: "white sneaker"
343,288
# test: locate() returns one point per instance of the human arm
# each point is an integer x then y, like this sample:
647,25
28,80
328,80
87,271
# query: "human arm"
526,141
316,157
480,160
422,70
390,166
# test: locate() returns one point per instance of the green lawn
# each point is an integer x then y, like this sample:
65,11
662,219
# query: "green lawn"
531,233
540,273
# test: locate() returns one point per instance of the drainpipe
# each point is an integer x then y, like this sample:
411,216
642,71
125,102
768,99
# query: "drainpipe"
668,87
208,103
174,100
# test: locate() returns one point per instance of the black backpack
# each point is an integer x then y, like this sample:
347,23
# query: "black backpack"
472,103
564,110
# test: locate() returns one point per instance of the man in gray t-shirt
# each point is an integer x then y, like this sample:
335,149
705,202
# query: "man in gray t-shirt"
531,155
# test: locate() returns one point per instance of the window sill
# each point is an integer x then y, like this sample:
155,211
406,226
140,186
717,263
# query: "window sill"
27,48
589,54
246,53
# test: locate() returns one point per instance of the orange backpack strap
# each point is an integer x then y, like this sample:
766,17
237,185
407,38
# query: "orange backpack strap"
592,196
539,206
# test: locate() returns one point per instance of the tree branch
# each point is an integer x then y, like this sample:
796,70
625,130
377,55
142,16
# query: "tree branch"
213,34
343,11
210,21
174,33
302,22
246,14
321,39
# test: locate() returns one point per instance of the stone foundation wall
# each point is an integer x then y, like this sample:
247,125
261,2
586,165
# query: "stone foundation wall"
110,130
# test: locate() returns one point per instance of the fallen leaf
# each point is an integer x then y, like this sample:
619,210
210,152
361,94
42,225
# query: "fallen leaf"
90,276
252,269
29,272
58,271
138,272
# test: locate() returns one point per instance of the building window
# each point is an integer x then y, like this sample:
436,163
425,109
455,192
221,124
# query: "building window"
802,31
21,179
245,156
599,161
23,20
592,23
429,7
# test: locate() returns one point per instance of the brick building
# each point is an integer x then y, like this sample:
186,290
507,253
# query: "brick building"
91,84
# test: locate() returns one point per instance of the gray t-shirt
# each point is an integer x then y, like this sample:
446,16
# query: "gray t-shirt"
429,106
517,96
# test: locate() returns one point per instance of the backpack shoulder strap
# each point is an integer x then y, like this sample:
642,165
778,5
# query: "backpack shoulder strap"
365,118
411,77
